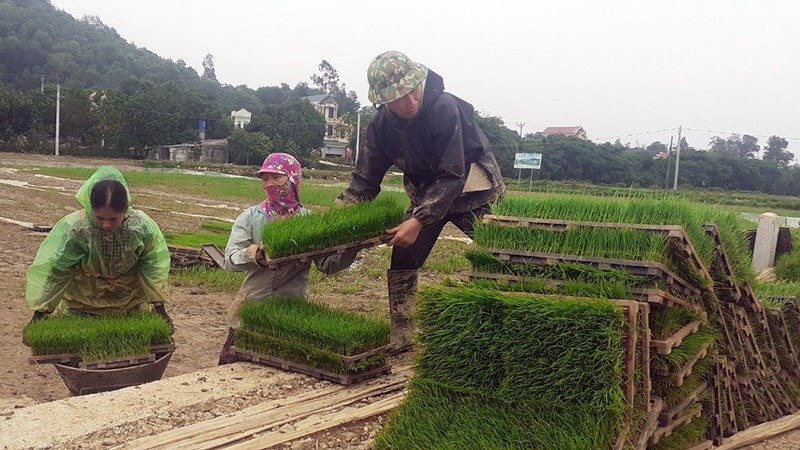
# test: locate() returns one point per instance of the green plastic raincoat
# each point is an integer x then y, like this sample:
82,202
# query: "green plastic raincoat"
79,267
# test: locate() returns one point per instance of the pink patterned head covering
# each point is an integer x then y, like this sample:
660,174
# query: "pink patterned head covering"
283,164
282,199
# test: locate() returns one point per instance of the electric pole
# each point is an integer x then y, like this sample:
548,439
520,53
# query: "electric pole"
58,112
521,125
677,160
358,136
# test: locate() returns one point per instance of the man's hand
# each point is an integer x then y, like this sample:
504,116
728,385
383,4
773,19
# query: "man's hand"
406,233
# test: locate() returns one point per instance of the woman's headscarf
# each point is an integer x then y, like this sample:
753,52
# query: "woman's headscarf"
282,199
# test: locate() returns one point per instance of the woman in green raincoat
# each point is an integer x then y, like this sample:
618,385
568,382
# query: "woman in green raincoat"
105,259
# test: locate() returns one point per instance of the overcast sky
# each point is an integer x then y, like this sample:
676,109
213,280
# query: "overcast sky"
618,68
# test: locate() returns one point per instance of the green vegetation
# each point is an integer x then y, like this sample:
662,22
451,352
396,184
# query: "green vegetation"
217,227
196,239
664,322
787,267
512,371
98,337
311,334
337,226
684,437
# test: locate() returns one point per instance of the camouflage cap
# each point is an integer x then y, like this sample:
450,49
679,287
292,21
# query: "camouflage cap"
392,75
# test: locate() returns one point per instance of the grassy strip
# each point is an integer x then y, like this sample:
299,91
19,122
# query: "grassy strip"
571,288
196,239
98,337
217,227
336,226
434,417
215,279
314,324
787,267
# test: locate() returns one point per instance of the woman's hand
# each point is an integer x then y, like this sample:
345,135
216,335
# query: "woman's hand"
406,233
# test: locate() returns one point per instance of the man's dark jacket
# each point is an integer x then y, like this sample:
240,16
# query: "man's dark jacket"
434,150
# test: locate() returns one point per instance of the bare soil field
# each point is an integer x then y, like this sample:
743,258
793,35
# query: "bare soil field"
195,389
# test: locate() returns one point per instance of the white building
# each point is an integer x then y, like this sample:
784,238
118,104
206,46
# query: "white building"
241,118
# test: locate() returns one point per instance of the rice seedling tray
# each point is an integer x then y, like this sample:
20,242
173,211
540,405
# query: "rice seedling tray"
721,269
274,263
780,335
344,379
667,417
680,375
183,256
676,234
214,252
665,347
76,359
649,269
689,415
655,297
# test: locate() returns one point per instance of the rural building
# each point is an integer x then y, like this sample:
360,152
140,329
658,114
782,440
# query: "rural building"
576,131
241,118
210,150
334,142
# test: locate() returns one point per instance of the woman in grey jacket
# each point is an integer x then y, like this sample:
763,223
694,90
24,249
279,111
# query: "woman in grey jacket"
280,176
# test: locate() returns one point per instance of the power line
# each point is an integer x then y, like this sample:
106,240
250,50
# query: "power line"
729,132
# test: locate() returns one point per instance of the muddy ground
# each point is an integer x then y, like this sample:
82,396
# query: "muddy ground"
199,314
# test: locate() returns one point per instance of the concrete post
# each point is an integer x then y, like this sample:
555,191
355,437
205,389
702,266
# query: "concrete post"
766,241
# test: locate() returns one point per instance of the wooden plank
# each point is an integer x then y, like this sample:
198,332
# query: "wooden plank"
702,446
118,362
761,432
667,417
345,379
651,422
274,263
75,358
241,425
347,415
665,347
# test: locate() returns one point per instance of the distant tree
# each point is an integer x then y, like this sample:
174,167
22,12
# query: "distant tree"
736,146
328,81
244,146
656,148
296,121
504,142
776,152
209,73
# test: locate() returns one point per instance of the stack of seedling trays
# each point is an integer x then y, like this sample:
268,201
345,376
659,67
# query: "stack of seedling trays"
718,359
302,238
305,337
102,353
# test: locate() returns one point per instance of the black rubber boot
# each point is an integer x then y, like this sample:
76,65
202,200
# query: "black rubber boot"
225,356
402,301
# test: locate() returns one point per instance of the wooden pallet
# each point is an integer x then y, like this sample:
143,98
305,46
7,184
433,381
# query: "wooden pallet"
274,263
216,255
689,415
183,256
648,269
674,413
344,379
679,376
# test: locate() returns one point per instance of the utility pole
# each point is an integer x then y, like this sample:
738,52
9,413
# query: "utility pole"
58,112
669,163
677,160
521,125
42,89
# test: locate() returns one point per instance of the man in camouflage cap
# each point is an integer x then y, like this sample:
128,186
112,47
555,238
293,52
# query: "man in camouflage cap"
449,173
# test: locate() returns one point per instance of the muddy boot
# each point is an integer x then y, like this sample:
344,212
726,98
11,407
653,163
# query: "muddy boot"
402,301
225,356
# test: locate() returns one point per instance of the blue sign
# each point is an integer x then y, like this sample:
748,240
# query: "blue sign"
201,125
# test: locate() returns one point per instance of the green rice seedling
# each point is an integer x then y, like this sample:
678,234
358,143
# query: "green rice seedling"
688,349
315,325
673,395
298,349
207,278
776,289
787,267
435,417
654,210
337,226
461,329
664,322
98,337
684,437
563,351
571,288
